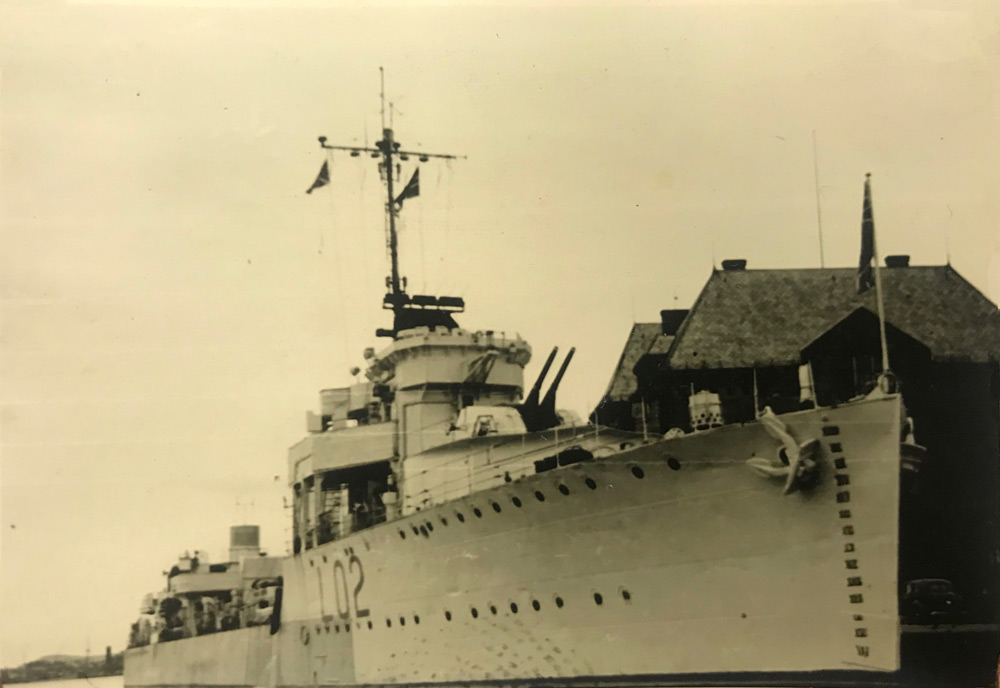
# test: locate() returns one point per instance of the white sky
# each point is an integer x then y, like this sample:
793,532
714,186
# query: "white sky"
172,301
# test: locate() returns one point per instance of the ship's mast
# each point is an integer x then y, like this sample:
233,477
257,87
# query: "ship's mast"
386,143
388,151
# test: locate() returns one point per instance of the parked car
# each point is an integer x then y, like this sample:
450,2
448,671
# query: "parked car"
931,599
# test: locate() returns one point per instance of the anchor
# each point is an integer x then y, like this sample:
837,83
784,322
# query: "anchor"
798,462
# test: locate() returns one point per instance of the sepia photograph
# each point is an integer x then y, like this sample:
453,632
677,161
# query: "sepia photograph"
500,343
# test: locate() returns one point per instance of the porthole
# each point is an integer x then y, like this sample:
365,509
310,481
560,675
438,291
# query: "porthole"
517,502
563,489
430,526
369,625
402,621
496,507
590,483
598,599
423,531
475,613
539,496
638,472
324,558
444,521
460,516
388,623
416,531
402,534
626,595
477,512
513,607
337,628
447,615
535,605
559,602
347,628
416,619
493,609
673,464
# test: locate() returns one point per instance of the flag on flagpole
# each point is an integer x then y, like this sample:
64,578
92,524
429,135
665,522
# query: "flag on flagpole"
411,189
866,275
322,179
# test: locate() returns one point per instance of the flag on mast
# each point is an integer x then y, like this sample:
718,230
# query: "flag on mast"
322,179
411,189
866,274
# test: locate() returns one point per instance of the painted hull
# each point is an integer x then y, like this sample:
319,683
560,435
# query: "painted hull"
672,559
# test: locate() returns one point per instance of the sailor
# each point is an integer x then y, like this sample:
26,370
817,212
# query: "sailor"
146,628
238,611
230,617
390,497
210,613
360,516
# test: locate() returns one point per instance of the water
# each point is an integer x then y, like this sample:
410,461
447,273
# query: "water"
99,682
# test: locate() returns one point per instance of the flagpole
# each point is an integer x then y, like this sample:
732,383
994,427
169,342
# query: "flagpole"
819,216
878,284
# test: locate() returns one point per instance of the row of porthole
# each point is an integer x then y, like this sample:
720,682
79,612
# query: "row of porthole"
426,528
473,611
347,626
537,606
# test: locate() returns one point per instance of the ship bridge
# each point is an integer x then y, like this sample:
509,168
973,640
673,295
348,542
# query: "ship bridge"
436,372
344,473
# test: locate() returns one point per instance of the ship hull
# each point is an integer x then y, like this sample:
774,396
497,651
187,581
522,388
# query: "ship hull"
670,562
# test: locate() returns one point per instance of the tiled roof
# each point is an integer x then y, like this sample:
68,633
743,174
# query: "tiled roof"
644,338
760,317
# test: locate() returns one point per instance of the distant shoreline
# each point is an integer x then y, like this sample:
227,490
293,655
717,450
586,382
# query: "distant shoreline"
64,667
59,680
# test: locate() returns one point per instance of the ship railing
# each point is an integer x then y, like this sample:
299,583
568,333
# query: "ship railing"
331,529
478,470
367,518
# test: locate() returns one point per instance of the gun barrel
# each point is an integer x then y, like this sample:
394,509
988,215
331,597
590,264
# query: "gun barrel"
550,395
532,399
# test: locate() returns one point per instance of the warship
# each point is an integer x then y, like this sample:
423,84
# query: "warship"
452,526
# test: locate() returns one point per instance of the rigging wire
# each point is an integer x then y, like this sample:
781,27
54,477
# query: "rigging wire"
437,215
365,252
420,233
446,254
339,269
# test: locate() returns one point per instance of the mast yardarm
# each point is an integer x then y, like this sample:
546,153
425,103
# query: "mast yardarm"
409,311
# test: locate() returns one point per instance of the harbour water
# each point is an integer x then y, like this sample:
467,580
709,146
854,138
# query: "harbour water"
98,682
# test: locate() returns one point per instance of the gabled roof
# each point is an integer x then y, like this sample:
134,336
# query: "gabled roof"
645,338
745,318
860,328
